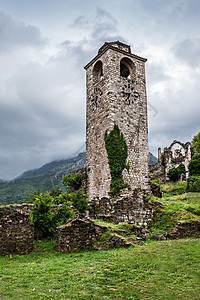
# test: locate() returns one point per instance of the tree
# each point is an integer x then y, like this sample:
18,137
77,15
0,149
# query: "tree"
194,165
181,169
196,144
73,181
173,174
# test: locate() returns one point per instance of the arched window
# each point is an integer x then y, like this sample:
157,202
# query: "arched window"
126,68
98,70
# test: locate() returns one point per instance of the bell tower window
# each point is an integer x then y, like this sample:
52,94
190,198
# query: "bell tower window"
126,68
98,70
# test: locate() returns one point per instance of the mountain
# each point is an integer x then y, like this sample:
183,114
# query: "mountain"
43,178
152,159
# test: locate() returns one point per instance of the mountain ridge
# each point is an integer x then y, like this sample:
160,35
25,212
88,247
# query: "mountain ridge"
43,178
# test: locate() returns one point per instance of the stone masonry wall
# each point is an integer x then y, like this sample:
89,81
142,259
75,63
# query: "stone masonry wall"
78,235
177,153
112,98
16,231
132,208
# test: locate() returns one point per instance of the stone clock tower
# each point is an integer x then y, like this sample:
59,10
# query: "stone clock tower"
116,94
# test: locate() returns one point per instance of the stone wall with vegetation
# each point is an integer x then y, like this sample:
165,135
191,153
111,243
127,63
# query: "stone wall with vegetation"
129,207
16,231
78,235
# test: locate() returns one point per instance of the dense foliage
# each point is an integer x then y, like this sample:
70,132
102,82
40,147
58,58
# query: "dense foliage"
73,181
117,155
194,165
196,144
174,173
46,217
193,183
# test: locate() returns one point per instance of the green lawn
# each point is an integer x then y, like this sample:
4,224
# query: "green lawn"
155,270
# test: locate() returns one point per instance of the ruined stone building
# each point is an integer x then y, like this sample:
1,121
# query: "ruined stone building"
116,94
171,157
175,154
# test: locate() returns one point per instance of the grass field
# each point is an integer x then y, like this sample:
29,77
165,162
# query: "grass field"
155,270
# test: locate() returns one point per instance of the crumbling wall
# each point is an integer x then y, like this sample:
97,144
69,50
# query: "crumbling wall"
132,208
16,231
78,235
177,153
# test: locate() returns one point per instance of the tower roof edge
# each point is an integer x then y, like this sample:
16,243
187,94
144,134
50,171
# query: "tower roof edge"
116,46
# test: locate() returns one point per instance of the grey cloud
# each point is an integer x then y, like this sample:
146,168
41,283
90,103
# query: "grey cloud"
177,117
100,28
15,33
188,51
156,73
44,120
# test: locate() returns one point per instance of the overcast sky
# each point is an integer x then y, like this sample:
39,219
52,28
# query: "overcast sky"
44,45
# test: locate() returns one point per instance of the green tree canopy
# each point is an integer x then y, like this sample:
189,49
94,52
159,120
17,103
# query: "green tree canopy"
194,165
196,144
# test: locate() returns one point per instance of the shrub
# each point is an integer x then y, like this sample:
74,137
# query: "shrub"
42,215
63,214
181,169
196,144
194,165
79,201
173,174
193,183
73,181
56,191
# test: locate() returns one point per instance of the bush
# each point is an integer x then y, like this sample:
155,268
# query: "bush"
194,165
73,181
193,184
181,169
63,214
42,215
79,201
173,174
196,144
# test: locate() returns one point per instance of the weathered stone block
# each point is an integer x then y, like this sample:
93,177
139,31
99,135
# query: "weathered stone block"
16,232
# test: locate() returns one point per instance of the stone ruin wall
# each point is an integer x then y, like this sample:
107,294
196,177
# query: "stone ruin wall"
129,207
16,231
130,115
177,153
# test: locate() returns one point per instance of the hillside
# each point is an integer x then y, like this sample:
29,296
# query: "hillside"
43,178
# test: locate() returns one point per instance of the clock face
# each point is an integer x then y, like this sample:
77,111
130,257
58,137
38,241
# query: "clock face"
129,95
96,96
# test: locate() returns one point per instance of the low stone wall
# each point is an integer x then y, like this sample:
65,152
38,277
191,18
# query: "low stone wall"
16,231
185,229
132,208
78,235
